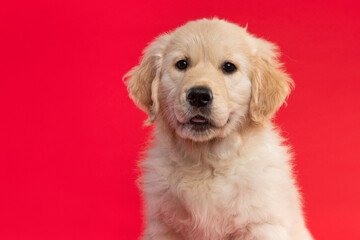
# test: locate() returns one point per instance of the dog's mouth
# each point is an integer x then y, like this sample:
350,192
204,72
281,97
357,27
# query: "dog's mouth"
200,127
199,120
199,123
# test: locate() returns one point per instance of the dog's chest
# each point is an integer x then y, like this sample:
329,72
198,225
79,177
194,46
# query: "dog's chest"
203,201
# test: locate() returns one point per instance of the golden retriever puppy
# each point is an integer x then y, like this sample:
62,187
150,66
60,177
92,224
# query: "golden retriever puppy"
216,168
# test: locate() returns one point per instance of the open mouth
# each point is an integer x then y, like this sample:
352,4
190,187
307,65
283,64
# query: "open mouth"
199,120
199,123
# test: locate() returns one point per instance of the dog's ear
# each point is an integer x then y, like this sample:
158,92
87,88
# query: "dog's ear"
143,80
270,84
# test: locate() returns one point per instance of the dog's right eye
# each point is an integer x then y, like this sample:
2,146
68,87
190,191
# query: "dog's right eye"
181,65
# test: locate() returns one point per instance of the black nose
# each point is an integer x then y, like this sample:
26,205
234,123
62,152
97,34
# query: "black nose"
199,96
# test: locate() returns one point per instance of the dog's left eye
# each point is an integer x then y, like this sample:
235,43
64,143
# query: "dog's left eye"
229,67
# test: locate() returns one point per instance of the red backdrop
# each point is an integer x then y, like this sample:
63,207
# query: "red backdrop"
70,135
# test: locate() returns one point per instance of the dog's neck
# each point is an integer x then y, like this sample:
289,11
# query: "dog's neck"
217,151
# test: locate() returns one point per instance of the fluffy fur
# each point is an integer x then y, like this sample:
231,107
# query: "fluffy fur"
233,180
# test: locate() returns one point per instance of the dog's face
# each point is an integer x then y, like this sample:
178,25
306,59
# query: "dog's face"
207,78
204,88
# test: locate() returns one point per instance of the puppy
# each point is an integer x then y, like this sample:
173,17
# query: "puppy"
216,168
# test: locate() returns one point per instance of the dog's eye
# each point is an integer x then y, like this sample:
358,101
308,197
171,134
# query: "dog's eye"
181,65
228,67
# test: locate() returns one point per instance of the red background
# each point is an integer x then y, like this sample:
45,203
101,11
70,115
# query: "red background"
70,135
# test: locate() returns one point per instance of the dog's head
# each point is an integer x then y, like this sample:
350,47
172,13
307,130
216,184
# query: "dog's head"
207,78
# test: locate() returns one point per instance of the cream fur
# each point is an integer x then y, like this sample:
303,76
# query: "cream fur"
233,181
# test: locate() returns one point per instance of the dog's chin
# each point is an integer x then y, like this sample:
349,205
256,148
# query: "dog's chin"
198,129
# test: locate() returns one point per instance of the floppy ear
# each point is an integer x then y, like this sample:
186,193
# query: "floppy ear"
270,84
143,80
